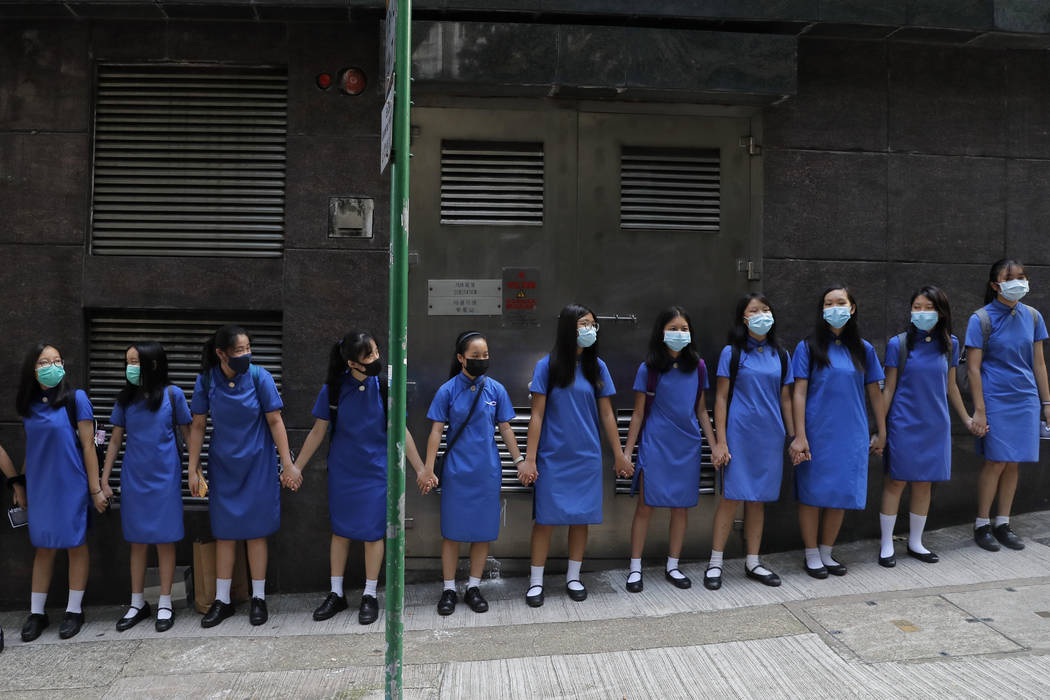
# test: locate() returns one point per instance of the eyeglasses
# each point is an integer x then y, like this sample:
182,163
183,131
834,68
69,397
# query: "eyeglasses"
587,324
44,364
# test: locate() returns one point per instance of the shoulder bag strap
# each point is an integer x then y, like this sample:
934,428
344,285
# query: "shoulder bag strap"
455,437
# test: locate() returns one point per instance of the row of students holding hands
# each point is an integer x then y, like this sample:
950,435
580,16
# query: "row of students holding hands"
824,419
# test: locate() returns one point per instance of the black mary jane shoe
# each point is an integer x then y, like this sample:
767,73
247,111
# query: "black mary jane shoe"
447,602
258,615
819,572
126,623
634,586
577,595
331,606
34,626
713,583
770,579
836,569
218,612
890,561
163,625
475,601
985,539
71,624
1006,537
534,600
369,610
682,583
928,557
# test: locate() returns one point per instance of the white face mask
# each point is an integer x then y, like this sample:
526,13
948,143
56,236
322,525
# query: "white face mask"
1013,290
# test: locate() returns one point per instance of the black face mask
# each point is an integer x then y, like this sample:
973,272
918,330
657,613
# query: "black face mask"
372,369
476,368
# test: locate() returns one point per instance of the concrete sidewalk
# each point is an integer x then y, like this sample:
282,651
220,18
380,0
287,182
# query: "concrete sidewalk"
977,624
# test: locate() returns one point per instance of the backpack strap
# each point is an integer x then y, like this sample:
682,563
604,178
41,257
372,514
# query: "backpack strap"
734,369
902,353
986,325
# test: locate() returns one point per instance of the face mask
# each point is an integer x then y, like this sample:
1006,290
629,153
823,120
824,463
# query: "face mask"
586,336
373,368
837,316
133,373
240,363
1013,290
676,340
50,376
476,368
924,320
759,324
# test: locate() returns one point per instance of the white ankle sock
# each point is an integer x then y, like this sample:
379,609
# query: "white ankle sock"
75,599
754,565
813,560
164,607
1002,520
886,523
473,582
825,555
449,585
716,561
337,585
222,589
572,574
535,576
636,565
259,588
916,524
981,522
370,587
672,568
37,602
137,601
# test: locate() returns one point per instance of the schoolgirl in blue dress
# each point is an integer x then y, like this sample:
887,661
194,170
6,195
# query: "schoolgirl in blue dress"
670,424
244,498
753,415
61,481
832,369
570,389
918,427
1007,373
357,457
471,403
149,411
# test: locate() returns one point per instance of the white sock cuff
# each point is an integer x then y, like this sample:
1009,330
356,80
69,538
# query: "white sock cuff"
473,582
370,587
636,565
535,576
259,588
572,570
76,598
37,601
448,584
222,590
981,522
1002,520
337,584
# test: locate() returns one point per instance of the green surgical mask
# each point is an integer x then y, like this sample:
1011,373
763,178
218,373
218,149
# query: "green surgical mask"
134,374
50,376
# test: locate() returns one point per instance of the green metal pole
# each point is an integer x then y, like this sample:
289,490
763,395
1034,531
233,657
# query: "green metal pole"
395,503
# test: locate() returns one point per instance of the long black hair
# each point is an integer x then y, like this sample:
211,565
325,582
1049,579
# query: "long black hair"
222,339
993,276
659,357
738,334
153,382
463,341
942,332
822,336
349,349
563,355
29,388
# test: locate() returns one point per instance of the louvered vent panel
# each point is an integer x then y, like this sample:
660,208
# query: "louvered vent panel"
707,468
110,334
189,161
670,189
492,184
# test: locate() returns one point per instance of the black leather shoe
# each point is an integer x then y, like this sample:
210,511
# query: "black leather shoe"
71,624
258,614
682,583
770,579
474,599
985,540
535,600
447,602
164,625
1006,537
218,612
890,561
928,557
577,595
821,572
126,623
34,625
369,610
713,583
837,569
332,605
634,586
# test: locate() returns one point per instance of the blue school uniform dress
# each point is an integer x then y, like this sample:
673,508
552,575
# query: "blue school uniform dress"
1011,397
669,451
836,427
918,428
151,472
244,488
356,459
472,473
569,458
56,480
755,424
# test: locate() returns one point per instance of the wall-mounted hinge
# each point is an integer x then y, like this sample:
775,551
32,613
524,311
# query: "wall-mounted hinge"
752,146
751,268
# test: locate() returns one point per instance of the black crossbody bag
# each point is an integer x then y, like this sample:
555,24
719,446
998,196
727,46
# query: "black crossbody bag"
439,464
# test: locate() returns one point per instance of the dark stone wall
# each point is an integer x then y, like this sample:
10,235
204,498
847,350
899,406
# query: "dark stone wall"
897,165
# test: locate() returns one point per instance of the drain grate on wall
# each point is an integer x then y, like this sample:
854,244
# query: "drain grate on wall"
670,189
491,183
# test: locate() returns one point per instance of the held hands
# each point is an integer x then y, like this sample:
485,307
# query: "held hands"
100,500
19,496
720,455
527,473
427,480
878,442
623,466
799,451
198,486
977,430
107,490
292,477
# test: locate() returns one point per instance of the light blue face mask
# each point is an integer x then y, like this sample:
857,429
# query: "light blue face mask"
924,320
586,336
1013,290
134,374
676,340
837,316
759,324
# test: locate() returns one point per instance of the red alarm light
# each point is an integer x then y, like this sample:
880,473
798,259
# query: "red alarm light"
324,80
352,81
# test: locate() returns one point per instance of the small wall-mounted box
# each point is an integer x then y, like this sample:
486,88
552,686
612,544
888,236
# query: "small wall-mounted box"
350,217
